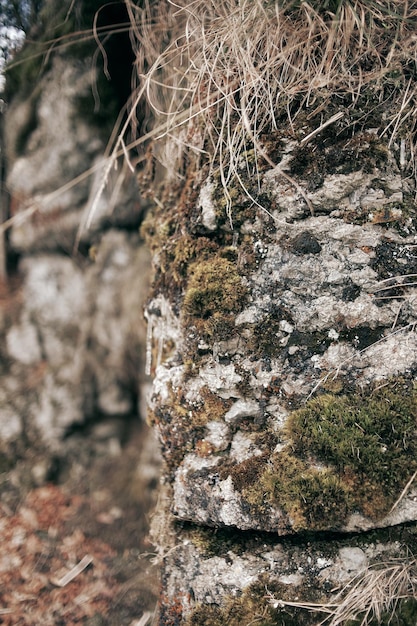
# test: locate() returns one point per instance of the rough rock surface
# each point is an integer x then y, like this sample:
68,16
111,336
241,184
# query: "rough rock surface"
327,307
283,349
282,344
230,577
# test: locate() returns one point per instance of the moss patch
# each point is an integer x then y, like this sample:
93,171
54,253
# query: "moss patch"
254,607
220,542
177,441
176,253
314,499
368,440
214,295
246,473
181,425
264,339
346,453
212,407
348,154
265,599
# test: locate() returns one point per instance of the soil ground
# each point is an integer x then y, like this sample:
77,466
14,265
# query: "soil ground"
74,533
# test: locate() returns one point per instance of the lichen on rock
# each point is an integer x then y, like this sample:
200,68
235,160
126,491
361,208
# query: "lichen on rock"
284,356
270,324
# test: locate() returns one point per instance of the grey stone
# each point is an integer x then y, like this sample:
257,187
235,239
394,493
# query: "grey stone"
315,337
241,409
55,179
302,570
78,340
208,209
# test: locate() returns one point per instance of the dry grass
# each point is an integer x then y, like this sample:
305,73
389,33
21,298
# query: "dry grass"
218,75
369,597
374,593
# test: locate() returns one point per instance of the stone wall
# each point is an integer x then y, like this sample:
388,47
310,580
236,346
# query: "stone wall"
284,361
72,328
280,338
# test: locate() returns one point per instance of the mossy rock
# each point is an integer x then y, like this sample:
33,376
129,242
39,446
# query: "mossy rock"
367,439
215,294
254,607
257,606
347,453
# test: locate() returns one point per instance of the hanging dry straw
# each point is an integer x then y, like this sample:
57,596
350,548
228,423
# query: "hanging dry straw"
218,75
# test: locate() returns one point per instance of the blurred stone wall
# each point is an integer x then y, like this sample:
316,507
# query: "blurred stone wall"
71,325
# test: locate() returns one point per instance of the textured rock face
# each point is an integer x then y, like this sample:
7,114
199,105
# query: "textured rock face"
284,354
310,369
232,579
282,344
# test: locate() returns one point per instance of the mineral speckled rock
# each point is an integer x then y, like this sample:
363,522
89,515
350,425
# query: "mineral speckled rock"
296,365
217,574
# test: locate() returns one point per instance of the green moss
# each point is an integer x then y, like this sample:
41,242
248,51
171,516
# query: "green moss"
254,607
338,150
213,297
346,453
216,543
314,499
264,341
176,250
235,205
189,427
246,473
368,441
181,425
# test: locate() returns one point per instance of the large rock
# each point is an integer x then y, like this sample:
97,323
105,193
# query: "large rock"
57,178
73,329
298,348
75,345
228,577
284,359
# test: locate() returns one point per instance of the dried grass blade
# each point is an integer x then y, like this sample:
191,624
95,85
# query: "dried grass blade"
336,117
74,572
404,491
